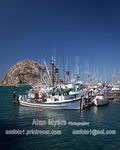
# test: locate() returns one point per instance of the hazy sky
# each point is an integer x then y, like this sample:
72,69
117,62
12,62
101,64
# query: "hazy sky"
89,29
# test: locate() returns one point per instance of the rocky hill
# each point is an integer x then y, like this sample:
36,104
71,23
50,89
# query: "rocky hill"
26,72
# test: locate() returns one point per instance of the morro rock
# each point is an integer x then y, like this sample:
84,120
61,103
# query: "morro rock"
26,72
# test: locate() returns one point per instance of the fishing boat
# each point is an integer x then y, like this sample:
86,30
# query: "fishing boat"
100,100
52,100
57,95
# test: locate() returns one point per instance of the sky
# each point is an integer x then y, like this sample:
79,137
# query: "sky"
89,29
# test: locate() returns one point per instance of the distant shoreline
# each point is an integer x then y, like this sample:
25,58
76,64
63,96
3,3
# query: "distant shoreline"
10,85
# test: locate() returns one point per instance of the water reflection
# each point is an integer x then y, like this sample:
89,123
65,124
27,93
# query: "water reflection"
26,112
95,109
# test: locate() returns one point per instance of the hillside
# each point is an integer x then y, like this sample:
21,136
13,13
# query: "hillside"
25,72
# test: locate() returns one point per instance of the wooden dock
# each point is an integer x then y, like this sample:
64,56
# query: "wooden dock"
86,102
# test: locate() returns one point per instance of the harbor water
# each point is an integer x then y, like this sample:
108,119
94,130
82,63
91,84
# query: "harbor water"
17,118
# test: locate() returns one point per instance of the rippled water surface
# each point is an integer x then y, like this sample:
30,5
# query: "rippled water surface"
13,116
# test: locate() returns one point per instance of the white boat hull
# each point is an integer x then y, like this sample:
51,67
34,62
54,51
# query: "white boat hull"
100,101
73,104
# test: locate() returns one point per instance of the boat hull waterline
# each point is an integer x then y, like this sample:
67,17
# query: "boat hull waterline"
73,104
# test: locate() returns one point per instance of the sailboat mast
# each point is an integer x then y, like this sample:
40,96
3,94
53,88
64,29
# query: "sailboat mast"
67,71
64,70
77,69
105,74
53,77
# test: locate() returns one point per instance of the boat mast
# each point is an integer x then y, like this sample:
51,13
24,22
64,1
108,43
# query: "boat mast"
48,72
113,76
64,69
67,71
53,72
105,74
77,69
